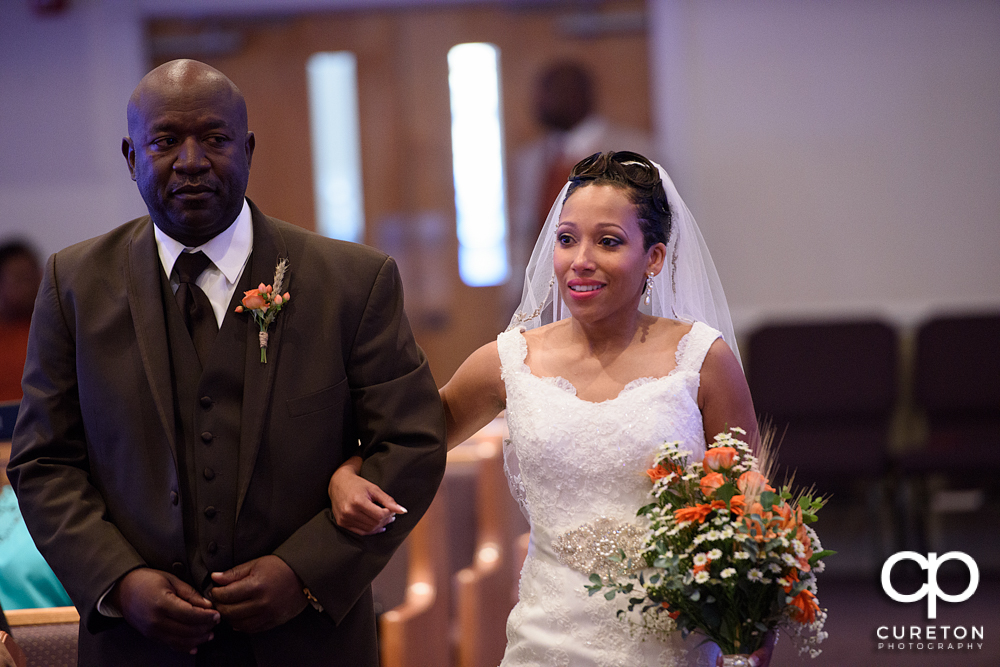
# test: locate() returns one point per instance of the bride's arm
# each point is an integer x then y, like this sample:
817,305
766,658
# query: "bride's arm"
472,398
724,397
474,395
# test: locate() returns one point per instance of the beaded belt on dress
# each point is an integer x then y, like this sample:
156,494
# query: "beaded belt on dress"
590,548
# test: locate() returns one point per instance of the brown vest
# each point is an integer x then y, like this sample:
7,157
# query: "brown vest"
207,416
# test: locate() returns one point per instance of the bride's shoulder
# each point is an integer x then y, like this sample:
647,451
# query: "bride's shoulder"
547,333
666,332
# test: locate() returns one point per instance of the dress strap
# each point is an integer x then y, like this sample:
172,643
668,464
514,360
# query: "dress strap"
693,347
513,350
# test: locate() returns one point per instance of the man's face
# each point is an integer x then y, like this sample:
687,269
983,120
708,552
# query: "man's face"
189,152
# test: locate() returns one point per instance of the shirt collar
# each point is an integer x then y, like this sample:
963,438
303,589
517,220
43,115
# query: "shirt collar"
228,250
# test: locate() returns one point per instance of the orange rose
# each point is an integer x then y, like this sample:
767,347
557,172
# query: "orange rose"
719,458
752,483
711,482
252,300
737,505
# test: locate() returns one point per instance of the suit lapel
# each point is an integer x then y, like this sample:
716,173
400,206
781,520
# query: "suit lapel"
268,247
142,281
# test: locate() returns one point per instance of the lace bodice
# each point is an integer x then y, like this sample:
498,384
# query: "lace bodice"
571,462
564,444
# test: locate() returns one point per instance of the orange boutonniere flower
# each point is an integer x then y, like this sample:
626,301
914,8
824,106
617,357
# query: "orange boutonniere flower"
265,302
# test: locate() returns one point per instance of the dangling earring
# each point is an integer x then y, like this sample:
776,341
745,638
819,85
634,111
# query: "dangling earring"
649,287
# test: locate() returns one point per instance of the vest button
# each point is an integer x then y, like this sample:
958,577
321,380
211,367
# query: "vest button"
207,437
174,498
209,474
212,548
206,402
210,512
178,568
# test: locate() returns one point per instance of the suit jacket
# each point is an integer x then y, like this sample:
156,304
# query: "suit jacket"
95,456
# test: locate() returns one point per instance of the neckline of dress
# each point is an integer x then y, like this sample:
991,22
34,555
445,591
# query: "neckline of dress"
570,389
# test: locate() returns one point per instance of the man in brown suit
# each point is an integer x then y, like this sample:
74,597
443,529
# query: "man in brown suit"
174,481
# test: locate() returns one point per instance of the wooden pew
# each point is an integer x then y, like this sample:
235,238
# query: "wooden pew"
487,589
416,633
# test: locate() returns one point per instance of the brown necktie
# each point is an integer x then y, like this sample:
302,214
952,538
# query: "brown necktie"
195,306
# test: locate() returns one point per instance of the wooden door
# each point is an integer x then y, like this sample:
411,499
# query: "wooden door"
405,122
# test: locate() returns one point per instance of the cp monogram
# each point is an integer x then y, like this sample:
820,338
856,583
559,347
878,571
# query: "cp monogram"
930,590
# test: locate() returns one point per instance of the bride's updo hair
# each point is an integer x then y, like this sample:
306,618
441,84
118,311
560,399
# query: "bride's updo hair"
636,175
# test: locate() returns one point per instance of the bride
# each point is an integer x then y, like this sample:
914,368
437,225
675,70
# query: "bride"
616,348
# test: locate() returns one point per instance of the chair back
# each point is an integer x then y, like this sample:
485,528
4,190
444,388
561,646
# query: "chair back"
956,381
830,390
47,636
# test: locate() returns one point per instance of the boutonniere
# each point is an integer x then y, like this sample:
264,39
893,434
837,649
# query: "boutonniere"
265,302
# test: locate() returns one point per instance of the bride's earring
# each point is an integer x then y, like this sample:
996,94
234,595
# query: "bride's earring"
649,287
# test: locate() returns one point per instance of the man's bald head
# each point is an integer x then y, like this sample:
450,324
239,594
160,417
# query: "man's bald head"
185,77
189,149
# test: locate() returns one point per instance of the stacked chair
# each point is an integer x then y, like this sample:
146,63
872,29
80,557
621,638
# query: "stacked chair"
830,391
956,390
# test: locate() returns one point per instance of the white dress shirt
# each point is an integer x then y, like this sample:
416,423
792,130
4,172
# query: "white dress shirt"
228,251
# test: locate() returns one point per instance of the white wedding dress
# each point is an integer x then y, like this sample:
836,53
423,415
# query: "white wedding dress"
579,470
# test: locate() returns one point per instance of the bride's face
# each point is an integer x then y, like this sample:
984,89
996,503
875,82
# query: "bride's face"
599,258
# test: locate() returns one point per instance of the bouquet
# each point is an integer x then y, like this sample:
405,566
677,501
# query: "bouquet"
727,555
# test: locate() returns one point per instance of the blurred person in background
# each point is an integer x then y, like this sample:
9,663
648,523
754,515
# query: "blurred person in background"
572,128
26,580
20,275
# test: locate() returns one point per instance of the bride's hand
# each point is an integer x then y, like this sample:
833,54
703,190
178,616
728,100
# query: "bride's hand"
359,505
